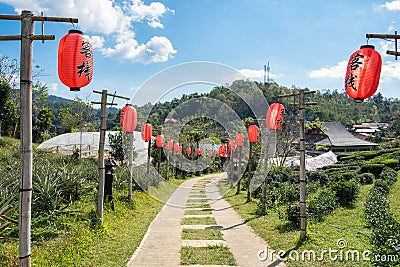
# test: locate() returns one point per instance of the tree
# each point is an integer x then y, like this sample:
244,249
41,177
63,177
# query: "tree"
43,123
8,113
77,116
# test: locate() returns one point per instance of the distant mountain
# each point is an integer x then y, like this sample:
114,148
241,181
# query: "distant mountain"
53,98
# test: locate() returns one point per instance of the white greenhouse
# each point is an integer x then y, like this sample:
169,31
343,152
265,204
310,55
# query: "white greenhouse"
88,144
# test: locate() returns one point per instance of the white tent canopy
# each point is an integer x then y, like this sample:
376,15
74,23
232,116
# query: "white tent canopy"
88,144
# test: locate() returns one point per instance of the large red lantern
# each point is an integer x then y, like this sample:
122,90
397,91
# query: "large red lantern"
188,151
222,150
176,147
275,115
169,145
239,139
75,60
128,118
253,133
146,132
197,151
232,145
363,72
159,141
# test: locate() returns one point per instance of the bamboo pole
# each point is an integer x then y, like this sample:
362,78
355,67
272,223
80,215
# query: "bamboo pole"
303,214
25,195
249,177
130,165
103,128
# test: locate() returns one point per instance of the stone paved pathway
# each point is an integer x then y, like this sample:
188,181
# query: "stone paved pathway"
162,243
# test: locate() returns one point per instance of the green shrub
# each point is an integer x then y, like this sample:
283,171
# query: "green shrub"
321,204
318,176
375,169
293,214
389,175
346,192
366,178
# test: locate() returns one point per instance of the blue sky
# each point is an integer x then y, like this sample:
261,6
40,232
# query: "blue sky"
307,43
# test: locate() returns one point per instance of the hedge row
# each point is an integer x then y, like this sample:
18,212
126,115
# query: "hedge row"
325,200
385,228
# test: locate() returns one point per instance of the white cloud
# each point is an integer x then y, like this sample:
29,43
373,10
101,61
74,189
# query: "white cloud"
151,13
157,49
390,70
53,87
256,74
97,41
112,24
337,71
392,6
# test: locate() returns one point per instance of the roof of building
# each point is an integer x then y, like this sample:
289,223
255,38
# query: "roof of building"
338,136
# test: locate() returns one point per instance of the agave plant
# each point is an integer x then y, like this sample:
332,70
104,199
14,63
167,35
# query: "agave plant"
8,196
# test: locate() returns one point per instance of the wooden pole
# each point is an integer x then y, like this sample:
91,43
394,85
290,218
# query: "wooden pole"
303,215
130,166
239,170
159,159
303,208
25,195
167,167
25,188
249,177
148,164
103,128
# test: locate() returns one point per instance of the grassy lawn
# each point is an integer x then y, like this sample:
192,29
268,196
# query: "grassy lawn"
199,221
212,255
394,200
72,239
198,205
201,234
342,223
198,212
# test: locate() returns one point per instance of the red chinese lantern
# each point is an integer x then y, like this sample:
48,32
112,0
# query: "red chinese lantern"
210,153
169,145
202,152
176,147
197,151
253,133
232,145
75,60
159,141
239,139
146,132
275,115
222,150
363,72
188,151
128,118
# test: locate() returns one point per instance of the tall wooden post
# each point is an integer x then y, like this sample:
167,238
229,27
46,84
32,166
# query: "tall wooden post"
239,170
303,214
25,189
146,186
130,166
103,128
249,177
167,167
302,176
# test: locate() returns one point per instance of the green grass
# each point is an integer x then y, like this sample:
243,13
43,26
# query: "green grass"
199,205
199,221
342,223
212,255
394,200
198,212
201,234
71,239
